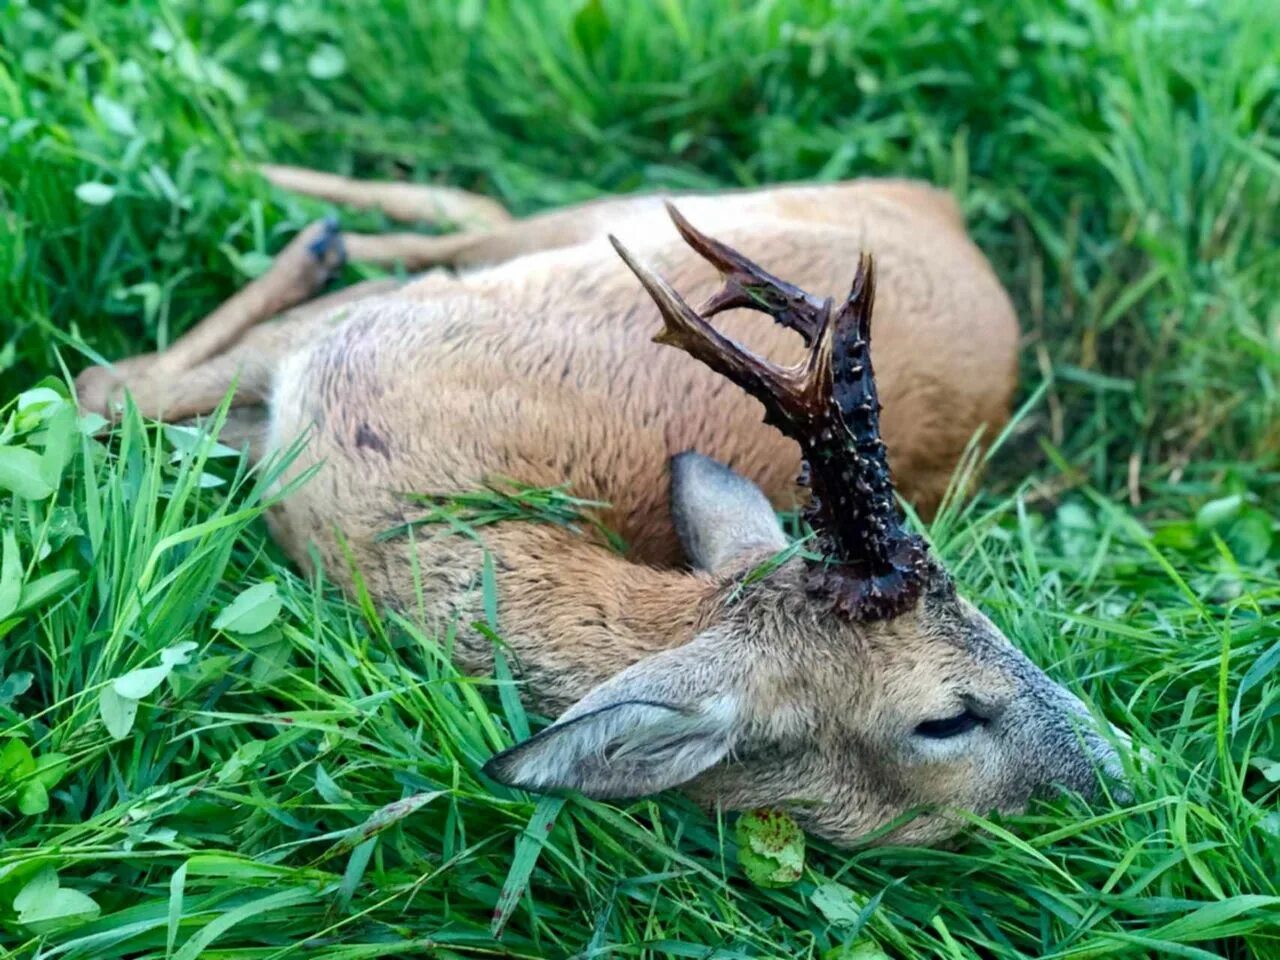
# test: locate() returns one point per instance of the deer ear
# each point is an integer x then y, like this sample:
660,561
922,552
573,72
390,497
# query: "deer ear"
646,730
719,515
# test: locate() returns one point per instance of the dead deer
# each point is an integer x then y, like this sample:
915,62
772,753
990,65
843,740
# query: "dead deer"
846,683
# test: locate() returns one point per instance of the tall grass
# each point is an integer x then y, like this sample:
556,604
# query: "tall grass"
203,753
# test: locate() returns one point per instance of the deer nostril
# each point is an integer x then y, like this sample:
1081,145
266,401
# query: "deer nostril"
1111,754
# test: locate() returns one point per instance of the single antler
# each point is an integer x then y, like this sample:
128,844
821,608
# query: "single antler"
874,567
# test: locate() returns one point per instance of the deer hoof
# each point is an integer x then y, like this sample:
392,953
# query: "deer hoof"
100,390
326,247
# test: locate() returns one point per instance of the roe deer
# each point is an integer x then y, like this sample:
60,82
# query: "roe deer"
847,685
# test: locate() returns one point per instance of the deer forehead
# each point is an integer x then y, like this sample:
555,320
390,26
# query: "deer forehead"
802,664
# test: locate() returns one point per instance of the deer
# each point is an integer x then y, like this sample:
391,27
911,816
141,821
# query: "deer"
843,680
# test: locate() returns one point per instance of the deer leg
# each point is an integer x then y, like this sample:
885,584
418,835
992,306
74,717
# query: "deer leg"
419,251
297,273
489,234
406,202
248,364
299,270
552,230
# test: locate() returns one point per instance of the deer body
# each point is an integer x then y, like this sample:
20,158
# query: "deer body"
540,367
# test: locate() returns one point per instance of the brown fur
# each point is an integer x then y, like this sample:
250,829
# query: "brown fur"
540,368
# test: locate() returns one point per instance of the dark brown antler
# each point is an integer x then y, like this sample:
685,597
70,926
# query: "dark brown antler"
747,285
875,568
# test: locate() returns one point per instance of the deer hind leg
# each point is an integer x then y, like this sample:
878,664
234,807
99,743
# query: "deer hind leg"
158,381
406,202
249,365
552,230
481,220
195,373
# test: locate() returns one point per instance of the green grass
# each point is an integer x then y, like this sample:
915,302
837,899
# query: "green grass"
302,778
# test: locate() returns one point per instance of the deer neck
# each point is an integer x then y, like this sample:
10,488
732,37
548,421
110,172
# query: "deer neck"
575,613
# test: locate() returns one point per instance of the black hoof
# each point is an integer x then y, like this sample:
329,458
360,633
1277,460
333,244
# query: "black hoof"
327,248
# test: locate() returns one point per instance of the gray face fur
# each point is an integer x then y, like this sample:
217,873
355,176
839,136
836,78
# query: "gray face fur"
782,703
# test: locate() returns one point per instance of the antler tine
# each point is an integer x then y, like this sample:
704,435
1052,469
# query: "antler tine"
748,285
853,383
780,389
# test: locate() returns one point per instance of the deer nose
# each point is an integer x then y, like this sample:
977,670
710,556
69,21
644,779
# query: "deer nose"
1122,762
1105,748
1108,762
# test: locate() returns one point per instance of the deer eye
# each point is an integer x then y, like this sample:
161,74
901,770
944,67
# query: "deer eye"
949,726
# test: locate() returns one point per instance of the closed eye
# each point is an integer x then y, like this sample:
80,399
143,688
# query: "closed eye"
950,726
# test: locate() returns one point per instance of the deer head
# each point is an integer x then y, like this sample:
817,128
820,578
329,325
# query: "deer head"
849,684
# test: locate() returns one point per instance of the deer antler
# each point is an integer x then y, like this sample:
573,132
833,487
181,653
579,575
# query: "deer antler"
747,285
874,567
